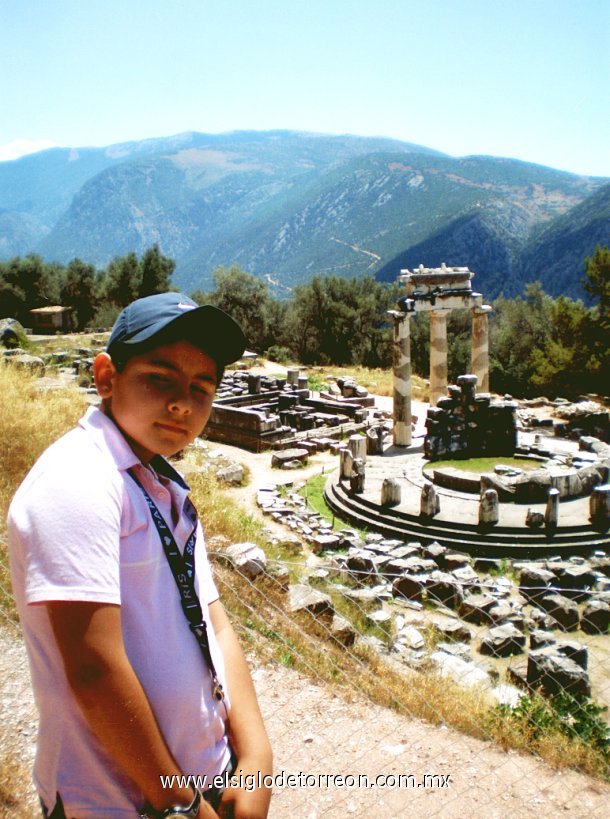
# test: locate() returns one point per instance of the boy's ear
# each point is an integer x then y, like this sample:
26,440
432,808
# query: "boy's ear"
103,373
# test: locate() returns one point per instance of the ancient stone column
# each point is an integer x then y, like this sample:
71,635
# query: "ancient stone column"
356,482
390,492
374,440
292,376
489,508
346,463
254,384
357,446
438,356
551,515
480,346
599,505
430,504
402,379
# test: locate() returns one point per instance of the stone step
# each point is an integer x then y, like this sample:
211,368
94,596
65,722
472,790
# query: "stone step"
503,543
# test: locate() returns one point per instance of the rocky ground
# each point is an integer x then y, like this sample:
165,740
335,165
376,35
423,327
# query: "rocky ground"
318,731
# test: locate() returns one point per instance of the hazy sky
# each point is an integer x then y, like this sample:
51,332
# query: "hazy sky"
519,78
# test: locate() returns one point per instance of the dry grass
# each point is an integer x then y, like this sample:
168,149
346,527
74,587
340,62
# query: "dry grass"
376,381
30,420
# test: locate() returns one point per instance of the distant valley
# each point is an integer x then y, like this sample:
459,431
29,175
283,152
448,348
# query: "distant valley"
287,206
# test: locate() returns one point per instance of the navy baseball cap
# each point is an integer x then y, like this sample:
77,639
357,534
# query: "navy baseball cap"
167,317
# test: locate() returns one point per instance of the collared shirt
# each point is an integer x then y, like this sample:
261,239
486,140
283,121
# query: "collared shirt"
80,530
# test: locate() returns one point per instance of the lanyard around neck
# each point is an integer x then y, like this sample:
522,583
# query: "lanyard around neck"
183,570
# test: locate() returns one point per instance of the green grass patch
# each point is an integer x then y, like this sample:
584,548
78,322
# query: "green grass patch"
481,465
313,492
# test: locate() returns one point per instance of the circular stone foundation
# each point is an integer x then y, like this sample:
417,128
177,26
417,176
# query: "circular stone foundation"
456,525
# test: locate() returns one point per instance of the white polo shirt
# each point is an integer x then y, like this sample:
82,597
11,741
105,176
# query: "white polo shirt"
80,530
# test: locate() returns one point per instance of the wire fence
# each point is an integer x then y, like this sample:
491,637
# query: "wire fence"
380,704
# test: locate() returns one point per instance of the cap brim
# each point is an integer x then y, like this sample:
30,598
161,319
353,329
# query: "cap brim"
207,327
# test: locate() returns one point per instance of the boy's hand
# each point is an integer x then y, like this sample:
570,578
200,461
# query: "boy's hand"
240,803
206,811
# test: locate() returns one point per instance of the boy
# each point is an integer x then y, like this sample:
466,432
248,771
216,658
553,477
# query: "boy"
132,680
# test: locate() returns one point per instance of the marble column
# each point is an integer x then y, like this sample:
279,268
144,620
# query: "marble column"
402,379
480,346
438,356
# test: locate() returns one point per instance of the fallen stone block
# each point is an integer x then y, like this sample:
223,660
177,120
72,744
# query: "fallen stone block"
247,558
562,610
325,542
476,607
575,651
534,582
465,673
302,598
455,631
503,641
284,456
595,617
411,638
434,551
410,587
444,588
556,674
343,631
232,474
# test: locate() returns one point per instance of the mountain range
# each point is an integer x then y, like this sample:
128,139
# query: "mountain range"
287,205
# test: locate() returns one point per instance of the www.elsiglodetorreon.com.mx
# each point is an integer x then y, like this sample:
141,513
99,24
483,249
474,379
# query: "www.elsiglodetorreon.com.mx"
303,780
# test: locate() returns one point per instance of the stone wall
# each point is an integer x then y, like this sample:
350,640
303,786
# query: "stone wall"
467,425
262,412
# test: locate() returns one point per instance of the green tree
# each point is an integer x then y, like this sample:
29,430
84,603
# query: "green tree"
518,327
246,298
156,272
597,281
27,283
121,283
562,364
12,294
78,291
341,321
597,329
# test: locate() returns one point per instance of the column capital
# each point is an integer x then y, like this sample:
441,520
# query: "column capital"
481,309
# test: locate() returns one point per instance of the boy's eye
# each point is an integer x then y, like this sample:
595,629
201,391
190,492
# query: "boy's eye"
201,389
159,378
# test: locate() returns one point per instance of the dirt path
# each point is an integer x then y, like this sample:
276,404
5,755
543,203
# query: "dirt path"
314,731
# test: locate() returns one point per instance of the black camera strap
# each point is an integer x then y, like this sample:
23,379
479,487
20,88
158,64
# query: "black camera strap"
183,570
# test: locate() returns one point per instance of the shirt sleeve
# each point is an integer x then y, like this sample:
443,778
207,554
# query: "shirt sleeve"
69,532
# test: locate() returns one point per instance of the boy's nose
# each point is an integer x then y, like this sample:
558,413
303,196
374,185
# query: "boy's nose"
180,402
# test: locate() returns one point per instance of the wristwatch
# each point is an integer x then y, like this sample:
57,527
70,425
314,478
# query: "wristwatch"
175,812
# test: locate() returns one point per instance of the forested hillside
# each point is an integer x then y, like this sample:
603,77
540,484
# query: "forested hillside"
289,206
539,344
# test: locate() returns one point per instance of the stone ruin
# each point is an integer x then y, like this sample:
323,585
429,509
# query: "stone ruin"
534,614
259,412
436,291
466,425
